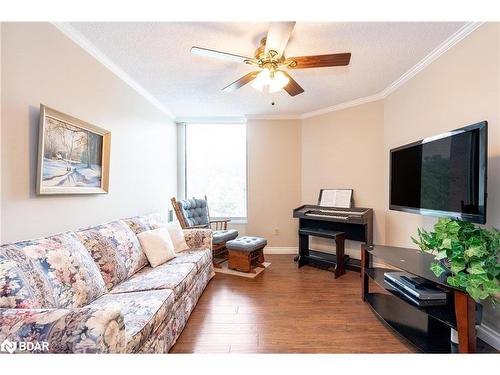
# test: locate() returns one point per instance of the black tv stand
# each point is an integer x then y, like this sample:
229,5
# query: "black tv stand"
427,328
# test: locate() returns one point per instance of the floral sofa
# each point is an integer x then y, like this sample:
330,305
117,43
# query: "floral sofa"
92,291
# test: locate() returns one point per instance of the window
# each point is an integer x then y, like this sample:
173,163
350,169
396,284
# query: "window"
216,159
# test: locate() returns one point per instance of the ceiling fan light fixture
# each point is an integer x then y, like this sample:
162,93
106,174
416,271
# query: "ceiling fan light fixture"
270,58
278,81
262,79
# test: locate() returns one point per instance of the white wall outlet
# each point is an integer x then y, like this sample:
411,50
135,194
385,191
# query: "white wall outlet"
276,231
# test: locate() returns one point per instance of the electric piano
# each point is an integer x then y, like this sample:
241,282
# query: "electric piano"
334,223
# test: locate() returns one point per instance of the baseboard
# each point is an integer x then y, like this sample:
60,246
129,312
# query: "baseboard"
489,336
281,250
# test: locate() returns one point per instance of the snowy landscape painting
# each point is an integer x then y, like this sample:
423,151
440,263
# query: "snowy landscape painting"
72,155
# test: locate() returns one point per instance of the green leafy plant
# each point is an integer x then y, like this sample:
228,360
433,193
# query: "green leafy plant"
470,253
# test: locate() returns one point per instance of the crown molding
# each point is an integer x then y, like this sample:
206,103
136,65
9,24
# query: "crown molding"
422,64
84,43
273,117
213,120
338,107
89,47
434,55
454,39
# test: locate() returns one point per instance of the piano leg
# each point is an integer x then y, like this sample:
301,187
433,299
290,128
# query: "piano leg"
339,250
303,250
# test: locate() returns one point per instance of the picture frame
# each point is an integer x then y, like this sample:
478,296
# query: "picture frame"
73,155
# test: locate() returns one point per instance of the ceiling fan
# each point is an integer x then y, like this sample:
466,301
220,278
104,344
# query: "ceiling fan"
270,58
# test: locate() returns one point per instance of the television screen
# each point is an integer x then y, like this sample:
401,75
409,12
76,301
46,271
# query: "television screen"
444,175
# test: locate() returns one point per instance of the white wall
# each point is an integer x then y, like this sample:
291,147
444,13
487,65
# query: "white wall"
273,149
460,88
41,65
344,149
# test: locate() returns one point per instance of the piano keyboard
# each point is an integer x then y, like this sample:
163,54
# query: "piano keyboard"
323,213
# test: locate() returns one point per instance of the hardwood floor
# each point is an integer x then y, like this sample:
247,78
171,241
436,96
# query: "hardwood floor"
286,310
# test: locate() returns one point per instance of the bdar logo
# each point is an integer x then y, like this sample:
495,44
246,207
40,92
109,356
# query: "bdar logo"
8,346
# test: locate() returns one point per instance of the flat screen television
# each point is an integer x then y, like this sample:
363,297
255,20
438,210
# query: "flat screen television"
444,175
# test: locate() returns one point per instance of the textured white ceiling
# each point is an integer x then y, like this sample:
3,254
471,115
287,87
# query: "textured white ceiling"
157,56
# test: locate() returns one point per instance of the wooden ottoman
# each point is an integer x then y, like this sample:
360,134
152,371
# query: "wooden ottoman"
246,253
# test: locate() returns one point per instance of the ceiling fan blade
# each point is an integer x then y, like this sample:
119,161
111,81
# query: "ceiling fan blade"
319,61
292,88
241,82
278,35
218,54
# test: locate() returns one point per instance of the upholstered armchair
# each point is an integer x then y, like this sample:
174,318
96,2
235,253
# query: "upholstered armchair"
194,213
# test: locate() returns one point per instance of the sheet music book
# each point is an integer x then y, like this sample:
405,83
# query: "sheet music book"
335,198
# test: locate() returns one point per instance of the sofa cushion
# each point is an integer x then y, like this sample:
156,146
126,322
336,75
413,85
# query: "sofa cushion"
220,236
137,224
76,330
142,312
142,223
72,275
194,211
157,245
115,249
200,258
177,277
177,235
198,238
22,283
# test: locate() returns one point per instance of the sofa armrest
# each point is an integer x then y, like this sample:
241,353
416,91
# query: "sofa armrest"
198,238
82,330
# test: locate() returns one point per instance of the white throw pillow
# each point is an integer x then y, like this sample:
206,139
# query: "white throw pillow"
157,246
177,236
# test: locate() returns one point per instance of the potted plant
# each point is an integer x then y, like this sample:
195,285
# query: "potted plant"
470,254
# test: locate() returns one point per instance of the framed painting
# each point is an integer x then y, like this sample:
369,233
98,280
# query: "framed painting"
73,155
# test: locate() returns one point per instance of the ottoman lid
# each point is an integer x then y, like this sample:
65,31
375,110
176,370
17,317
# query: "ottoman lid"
246,243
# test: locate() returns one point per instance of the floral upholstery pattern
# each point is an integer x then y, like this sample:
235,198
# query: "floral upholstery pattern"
167,334
198,238
55,290
200,258
143,223
22,284
176,277
81,330
137,224
143,312
115,249
72,275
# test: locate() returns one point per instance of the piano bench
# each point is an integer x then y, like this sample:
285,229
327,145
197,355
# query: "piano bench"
307,258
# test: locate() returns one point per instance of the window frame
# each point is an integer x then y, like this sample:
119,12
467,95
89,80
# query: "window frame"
233,219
